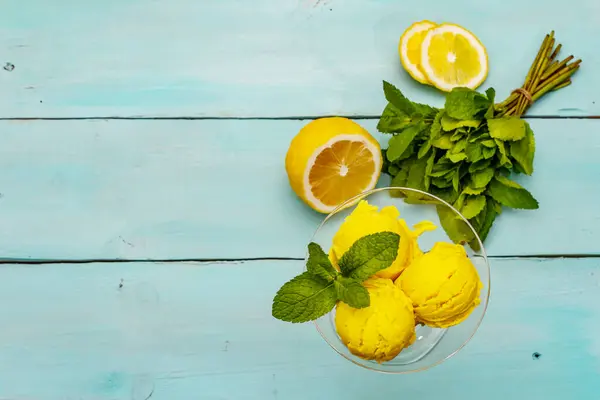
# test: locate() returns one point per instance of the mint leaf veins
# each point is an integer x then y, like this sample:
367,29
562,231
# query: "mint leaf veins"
304,298
466,104
352,293
318,263
369,255
507,128
511,194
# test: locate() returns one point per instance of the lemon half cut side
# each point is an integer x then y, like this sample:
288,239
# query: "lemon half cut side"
332,160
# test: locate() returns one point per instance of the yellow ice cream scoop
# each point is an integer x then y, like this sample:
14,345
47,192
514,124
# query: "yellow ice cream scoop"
443,286
366,219
378,332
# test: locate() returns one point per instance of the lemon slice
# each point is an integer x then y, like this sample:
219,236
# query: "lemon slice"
409,49
451,56
332,160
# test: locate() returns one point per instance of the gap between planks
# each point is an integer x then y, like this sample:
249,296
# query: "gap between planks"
241,260
284,118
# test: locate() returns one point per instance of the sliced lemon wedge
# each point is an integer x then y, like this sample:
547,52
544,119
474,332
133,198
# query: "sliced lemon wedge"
332,160
409,49
451,56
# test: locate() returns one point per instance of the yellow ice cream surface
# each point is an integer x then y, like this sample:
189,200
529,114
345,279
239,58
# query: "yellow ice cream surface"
443,284
378,332
414,251
364,220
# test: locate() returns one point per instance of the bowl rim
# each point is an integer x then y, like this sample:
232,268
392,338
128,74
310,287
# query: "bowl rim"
366,193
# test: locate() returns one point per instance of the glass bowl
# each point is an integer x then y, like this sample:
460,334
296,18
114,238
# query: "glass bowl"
432,345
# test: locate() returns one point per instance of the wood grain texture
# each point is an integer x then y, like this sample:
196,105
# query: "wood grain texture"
185,330
218,189
264,58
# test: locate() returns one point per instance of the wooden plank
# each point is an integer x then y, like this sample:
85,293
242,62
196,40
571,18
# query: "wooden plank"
120,331
218,189
263,57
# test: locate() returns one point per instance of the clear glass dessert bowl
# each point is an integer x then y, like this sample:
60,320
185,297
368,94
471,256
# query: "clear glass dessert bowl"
431,345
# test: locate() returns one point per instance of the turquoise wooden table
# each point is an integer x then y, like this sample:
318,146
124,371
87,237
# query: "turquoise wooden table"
146,220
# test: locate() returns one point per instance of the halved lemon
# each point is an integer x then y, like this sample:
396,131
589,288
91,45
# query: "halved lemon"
409,49
332,160
451,56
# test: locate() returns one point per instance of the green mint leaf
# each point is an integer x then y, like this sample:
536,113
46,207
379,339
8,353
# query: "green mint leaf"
430,163
442,183
385,163
456,181
463,103
491,95
497,206
479,135
402,176
479,165
425,110
507,182
352,293
475,223
464,169
456,157
428,168
401,141
443,142
459,146
449,124
481,178
456,229
424,149
458,134
487,221
408,153
488,152
523,151
436,126
474,152
318,263
472,206
393,169
393,120
474,191
504,160
369,255
304,298
511,194
489,143
506,164
460,201
474,244
507,128
517,168
442,168
417,177
398,100
448,195
441,172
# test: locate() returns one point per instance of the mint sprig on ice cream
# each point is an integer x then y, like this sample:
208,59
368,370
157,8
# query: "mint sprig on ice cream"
315,292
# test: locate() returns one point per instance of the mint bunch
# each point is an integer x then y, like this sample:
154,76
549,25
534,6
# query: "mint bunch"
315,292
462,153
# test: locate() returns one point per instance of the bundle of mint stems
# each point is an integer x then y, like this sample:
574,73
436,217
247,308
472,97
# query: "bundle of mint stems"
545,74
